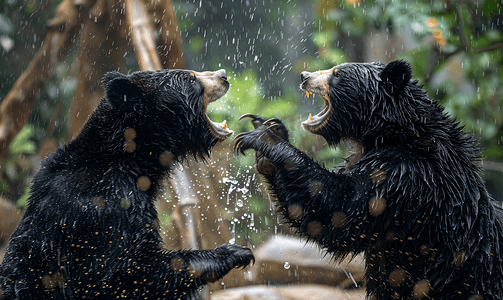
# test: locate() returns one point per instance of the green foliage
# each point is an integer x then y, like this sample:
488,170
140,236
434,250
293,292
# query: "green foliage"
246,96
165,220
17,163
21,145
23,200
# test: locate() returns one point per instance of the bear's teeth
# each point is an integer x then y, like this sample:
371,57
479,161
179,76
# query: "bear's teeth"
224,125
311,117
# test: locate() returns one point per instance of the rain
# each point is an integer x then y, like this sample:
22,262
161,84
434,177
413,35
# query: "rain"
54,55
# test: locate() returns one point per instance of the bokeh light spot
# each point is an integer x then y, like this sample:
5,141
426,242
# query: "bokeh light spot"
177,264
125,203
339,219
166,158
129,146
143,183
314,228
397,277
99,202
315,188
195,270
378,176
52,281
431,22
295,212
129,134
377,206
421,289
459,259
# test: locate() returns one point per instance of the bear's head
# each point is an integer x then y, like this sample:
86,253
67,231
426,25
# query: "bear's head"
364,101
167,109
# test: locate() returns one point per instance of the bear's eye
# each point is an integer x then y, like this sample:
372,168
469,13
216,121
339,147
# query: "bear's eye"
337,75
192,79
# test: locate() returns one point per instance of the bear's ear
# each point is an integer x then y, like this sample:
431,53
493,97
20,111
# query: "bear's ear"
398,73
120,90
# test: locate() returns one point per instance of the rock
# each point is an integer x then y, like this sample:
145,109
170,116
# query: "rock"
293,292
284,260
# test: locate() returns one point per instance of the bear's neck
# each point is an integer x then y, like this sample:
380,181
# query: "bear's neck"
430,138
109,145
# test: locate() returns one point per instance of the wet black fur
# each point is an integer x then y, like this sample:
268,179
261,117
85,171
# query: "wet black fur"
71,246
439,232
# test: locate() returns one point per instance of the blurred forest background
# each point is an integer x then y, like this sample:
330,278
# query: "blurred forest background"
455,47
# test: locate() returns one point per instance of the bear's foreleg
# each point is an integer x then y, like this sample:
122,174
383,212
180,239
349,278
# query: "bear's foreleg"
176,274
335,209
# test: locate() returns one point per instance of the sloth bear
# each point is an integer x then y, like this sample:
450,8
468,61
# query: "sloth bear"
409,196
91,230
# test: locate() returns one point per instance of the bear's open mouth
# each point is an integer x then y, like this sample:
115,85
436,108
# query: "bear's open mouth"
219,130
215,85
317,83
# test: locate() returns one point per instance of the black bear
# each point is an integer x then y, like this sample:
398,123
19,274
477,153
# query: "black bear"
409,196
90,228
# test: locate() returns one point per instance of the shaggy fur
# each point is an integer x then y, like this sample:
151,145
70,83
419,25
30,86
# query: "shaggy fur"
410,196
91,230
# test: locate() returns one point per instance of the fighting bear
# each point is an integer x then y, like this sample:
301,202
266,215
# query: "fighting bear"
409,196
90,229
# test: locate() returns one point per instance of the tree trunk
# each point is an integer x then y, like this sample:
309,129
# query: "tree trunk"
103,40
62,31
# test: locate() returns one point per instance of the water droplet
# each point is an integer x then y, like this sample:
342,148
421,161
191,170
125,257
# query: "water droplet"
286,265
